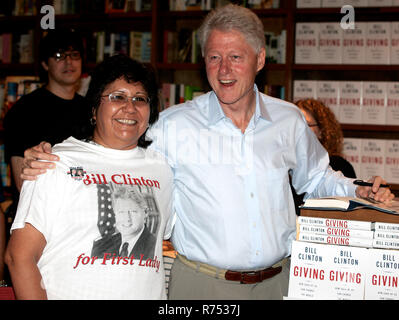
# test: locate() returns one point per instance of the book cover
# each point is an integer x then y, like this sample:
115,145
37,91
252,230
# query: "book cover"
382,276
392,112
354,44
378,42
305,89
391,166
334,223
307,43
322,272
330,43
328,93
394,55
372,158
351,152
374,102
350,102
333,231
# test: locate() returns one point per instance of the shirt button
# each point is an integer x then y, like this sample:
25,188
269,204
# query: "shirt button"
251,194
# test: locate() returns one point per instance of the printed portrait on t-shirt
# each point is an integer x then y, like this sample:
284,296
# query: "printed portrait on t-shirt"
128,221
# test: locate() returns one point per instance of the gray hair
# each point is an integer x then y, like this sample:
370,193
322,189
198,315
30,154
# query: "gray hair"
233,17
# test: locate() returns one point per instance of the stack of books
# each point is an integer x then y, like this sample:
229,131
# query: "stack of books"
349,222
345,248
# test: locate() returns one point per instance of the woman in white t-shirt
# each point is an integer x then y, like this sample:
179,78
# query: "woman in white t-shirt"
98,234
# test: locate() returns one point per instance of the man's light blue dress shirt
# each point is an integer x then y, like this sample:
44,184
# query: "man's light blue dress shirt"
234,206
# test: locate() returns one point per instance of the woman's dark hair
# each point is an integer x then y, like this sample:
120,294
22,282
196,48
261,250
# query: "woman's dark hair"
122,67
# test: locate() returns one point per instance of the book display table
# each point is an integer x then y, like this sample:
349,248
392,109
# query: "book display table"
345,255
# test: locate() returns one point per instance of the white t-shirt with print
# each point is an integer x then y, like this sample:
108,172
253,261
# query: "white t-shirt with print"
72,207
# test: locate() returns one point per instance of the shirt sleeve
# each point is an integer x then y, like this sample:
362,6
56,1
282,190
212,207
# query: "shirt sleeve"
313,174
40,202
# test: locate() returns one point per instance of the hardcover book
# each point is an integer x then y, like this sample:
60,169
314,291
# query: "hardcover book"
322,219
330,43
333,231
335,240
351,152
394,56
307,43
323,272
391,166
378,42
349,204
372,157
305,89
392,113
350,102
382,276
354,44
374,102
328,93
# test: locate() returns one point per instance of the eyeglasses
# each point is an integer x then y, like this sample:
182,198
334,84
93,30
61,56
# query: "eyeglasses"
122,99
61,55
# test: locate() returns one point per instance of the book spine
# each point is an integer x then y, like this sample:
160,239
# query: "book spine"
335,240
394,236
386,227
331,231
387,244
336,223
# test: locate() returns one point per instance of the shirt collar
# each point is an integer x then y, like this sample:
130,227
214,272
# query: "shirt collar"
216,112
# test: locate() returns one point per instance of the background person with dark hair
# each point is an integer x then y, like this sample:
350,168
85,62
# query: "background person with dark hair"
53,112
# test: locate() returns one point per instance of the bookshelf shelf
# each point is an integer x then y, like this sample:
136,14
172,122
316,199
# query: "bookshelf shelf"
345,67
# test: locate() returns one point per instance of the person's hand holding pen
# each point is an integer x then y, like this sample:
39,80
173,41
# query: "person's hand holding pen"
375,188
